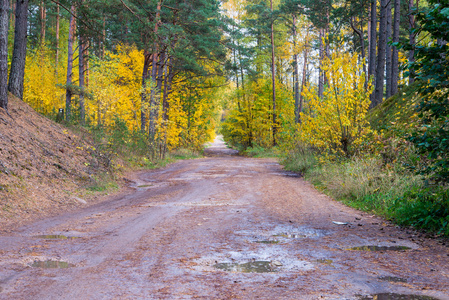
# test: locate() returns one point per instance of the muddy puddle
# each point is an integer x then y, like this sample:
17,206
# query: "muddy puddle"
54,237
51,264
259,266
392,279
393,296
379,248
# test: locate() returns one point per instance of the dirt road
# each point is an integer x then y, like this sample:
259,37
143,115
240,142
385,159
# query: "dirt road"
222,227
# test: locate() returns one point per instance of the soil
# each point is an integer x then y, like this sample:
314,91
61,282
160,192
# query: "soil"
44,166
221,227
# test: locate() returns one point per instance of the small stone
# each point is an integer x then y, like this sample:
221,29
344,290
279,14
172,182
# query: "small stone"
276,263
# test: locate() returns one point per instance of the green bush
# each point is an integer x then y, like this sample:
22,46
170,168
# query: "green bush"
425,209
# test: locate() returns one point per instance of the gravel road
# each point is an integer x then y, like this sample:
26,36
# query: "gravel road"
221,227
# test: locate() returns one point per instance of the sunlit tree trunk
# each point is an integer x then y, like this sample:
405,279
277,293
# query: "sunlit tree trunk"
43,20
154,109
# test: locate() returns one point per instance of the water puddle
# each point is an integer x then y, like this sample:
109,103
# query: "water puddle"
325,261
144,185
267,242
291,235
54,237
393,296
392,279
51,264
258,266
379,248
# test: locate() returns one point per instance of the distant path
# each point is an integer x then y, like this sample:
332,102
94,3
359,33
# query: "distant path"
222,227
219,147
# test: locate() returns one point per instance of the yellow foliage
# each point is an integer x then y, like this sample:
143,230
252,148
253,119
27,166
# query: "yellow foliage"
336,122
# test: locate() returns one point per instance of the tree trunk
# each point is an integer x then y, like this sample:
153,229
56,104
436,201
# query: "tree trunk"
412,35
359,32
17,72
380,70
153,101
295,73
103,38
388,53
57,42
395,54
304,74
320,69
43,19
273,79
372,39
4,25
81,69
68,93
143,95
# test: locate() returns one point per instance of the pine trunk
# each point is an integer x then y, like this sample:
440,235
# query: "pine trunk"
273,78
320,69
68,93
143,95
43,19
57,42
380,69
4,25
154,109
372,39
411,53
388,53
81,69
295,73
304,74
395,54
17,72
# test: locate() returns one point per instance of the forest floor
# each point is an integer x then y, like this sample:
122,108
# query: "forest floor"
221,227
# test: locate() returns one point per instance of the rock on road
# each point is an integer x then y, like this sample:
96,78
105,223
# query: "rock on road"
222,227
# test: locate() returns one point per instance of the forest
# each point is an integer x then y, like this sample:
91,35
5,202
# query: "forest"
351,94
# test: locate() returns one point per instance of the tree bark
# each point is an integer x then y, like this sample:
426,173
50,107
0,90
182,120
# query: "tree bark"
388,53
4,25
68,93
43,19
154,109
359,32
395,54
304,74
380,70
372,39
17,72
412,38
273,78
143,95
295,73
81,82
57,42
320,68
